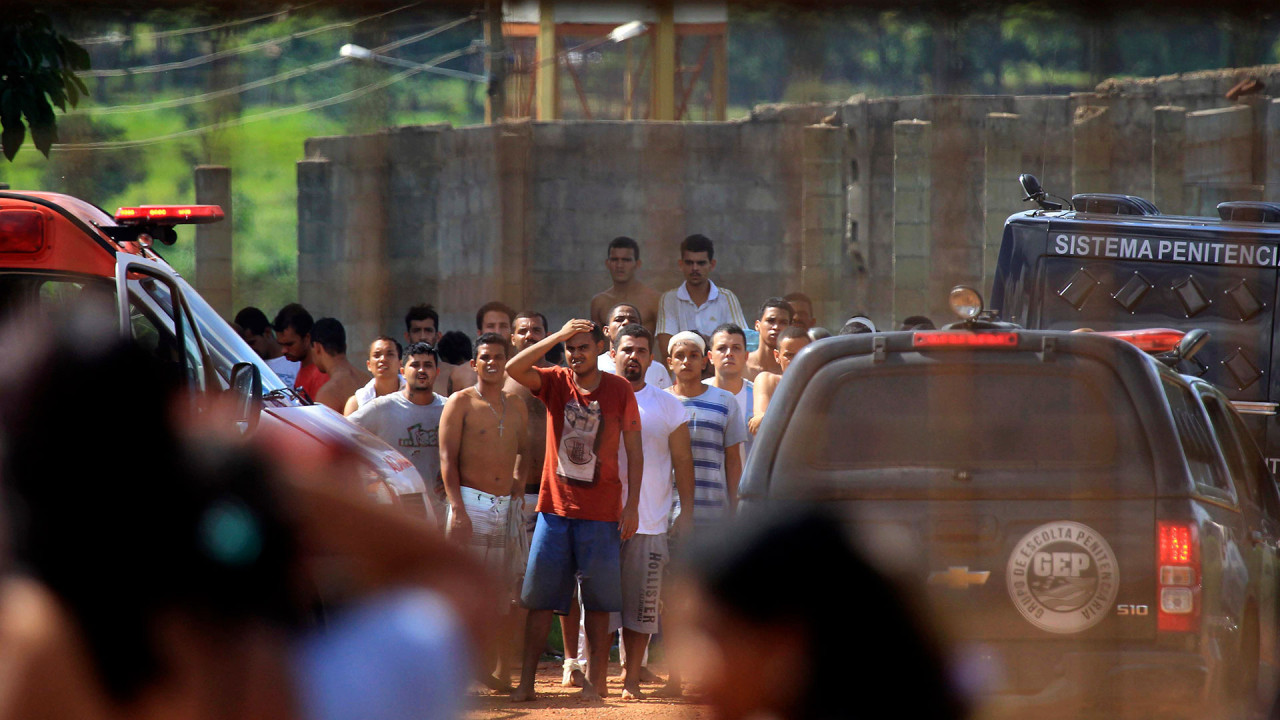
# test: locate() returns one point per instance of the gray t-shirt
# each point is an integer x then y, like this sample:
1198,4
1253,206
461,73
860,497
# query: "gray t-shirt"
412,429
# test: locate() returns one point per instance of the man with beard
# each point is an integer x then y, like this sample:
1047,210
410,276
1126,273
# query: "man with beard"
384,364
483,431
620,316
292,326
581,516
775,316
410,421
665,437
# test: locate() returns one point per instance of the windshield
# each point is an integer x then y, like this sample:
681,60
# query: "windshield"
226,348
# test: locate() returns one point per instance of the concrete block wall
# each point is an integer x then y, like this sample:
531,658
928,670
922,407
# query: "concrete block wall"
811,197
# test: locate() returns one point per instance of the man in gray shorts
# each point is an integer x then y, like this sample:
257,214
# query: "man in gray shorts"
665,440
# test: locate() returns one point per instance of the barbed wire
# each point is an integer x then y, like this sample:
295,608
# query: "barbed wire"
240,50
270,114
159,35
264,82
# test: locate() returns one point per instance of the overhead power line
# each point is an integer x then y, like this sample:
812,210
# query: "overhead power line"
117,37
255,84
270,114
241,50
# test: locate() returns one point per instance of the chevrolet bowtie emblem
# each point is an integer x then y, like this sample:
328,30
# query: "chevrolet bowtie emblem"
958,578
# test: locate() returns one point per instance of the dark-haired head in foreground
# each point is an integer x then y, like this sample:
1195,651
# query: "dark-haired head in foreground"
130,524
788,621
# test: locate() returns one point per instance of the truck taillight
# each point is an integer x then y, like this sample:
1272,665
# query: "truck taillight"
1178,577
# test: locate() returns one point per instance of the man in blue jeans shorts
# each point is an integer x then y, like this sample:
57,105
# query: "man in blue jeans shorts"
581,517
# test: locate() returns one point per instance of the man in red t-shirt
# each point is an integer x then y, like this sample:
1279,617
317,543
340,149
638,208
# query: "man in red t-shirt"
581,518
293,332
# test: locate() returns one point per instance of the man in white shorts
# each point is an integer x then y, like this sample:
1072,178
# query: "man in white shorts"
482,431
665,440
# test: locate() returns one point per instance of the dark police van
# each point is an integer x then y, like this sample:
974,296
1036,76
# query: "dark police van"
1099,531
1112,262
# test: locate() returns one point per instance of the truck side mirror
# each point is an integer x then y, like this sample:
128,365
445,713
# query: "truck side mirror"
246,388
1191,343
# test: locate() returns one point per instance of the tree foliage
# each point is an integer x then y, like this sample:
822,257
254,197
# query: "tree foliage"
37,72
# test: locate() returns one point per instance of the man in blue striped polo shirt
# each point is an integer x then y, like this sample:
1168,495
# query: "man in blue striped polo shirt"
716,429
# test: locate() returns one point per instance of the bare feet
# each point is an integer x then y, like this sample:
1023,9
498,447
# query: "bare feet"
630,693
523,694
589,692
670,690
649,676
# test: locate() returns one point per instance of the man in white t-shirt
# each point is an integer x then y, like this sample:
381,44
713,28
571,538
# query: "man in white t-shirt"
409,421
620,316
665,441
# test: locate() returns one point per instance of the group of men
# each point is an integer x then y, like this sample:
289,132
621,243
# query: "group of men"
572,481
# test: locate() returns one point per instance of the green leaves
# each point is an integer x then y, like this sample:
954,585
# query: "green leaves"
37,72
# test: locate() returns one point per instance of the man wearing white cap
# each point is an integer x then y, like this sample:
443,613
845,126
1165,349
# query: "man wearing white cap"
716,428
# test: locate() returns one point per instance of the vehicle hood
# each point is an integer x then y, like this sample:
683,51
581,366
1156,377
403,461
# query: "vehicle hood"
334,430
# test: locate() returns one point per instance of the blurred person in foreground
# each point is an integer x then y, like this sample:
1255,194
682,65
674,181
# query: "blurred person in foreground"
752,621
186,590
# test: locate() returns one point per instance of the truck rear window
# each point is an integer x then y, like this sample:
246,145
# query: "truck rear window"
1072,414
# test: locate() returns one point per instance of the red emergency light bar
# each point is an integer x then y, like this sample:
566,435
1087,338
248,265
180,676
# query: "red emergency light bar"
169,214
1154,340
964,339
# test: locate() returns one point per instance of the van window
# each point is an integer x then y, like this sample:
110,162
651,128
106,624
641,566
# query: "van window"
1256,472
1197,442
1071,415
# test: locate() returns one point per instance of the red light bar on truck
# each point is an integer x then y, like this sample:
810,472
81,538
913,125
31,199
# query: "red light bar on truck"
169,214
1154,340
942,339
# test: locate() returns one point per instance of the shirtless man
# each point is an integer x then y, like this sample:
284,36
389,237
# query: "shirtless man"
775,315
803,307
422,324
329,352
622,263
483,431
492,317
790,343
384,363
530,328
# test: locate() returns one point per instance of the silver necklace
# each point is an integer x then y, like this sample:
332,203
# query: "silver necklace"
501,419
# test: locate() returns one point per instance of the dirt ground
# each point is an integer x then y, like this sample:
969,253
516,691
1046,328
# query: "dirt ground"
557,702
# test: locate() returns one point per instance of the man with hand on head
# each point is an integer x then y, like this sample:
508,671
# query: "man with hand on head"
409,421
665,438
483,430
790,343
581,516
384,363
